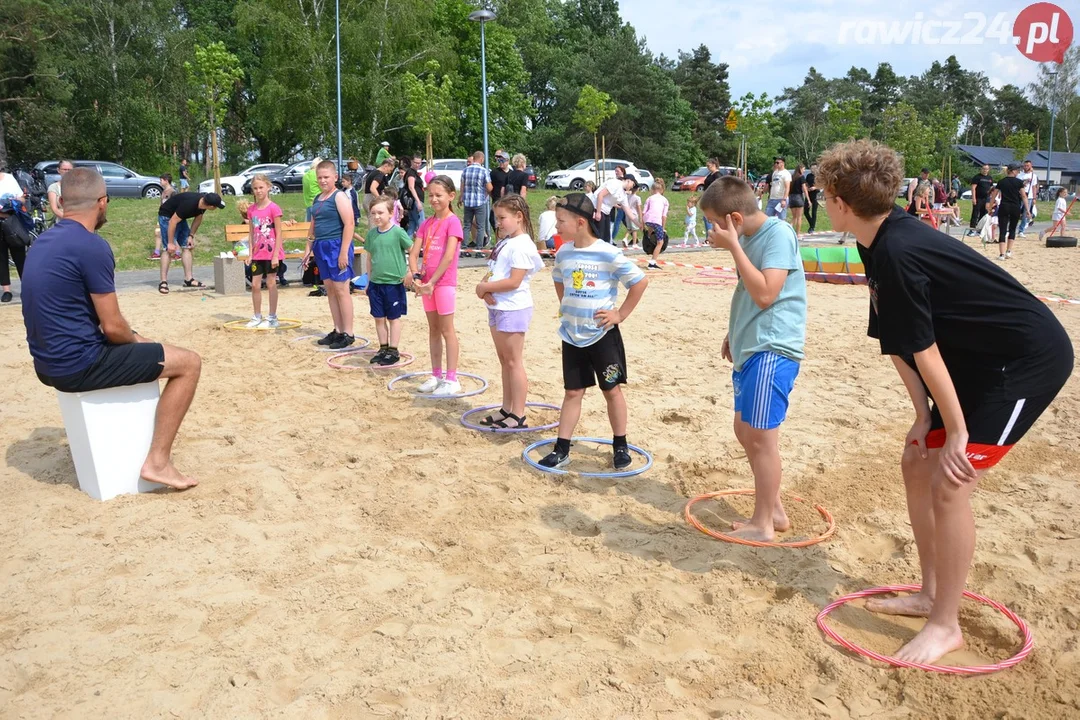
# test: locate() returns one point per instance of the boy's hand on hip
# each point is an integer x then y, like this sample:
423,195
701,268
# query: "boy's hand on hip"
608,318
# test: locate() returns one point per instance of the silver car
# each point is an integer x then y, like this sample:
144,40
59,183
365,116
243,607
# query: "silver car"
119,181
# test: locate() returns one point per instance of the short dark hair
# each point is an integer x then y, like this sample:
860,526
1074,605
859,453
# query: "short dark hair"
727,195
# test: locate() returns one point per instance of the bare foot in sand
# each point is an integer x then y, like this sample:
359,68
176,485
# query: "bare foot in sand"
167,475
917,605
931,644
746,531
780,521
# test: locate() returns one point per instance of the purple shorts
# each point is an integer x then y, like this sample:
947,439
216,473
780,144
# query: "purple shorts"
510,321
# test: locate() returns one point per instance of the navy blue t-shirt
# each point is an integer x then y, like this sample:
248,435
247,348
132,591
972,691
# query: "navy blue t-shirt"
66,264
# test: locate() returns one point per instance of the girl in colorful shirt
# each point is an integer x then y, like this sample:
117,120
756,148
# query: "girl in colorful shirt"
506,291
655,218
440,237
264,239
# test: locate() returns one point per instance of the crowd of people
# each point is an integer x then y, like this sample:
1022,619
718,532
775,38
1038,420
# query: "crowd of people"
981,362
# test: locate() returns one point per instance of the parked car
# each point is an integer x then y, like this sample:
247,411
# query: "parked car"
532,176
119,180
695,180
575,176
902,192
1046,193
289,179
645,178
448,167
234,184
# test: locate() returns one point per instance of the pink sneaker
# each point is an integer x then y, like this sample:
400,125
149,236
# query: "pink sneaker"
156,255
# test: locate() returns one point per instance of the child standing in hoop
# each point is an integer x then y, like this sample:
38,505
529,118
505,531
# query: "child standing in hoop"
267,252
440,237
386,245
330,244
506,291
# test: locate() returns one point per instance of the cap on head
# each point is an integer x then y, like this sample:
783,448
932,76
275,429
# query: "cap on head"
1013,166
581,205
385,144
214,200
778,158
631,178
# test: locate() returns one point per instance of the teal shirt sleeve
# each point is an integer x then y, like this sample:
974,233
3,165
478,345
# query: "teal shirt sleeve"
781,251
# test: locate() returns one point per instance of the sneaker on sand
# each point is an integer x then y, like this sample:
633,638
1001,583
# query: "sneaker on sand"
390,357
272,322
1021,235
653,266
156,255
1008,255
255,321
330,339
555,459
447,388
378,356
621,458
429,385
344,340
1001,257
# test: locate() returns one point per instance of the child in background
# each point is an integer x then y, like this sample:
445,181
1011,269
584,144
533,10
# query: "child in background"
546,236
981,359
267,251
592,345
348,189
167,191
440,239
633,222
590,189
765,339
655,218
691,222
922,205
506,291
397,211
1061,211
387,245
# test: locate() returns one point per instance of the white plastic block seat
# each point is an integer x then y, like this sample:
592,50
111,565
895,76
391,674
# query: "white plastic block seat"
109,432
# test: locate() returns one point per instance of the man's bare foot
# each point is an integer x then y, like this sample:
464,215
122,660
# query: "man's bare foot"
917,605
167,475
780,522
746,531
931,644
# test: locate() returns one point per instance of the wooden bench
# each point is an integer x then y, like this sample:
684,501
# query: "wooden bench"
296,233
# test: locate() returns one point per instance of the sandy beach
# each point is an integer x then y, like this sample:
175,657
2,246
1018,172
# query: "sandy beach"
356,553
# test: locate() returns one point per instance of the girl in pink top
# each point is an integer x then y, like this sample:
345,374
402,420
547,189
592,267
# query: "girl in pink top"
264,218
655,218
440,237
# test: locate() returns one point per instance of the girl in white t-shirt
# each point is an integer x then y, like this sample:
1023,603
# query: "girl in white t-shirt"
505,289
1061,211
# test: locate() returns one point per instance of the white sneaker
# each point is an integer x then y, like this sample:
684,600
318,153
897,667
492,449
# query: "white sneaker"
429,385
1021,234
447,388
1008,255
272,322
1001,257
255,321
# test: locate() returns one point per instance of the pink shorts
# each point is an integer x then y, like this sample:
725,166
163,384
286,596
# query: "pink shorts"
442,300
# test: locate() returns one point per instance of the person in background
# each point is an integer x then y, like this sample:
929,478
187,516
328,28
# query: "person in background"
545,237
384,152
62,169
310,187
173,217
713,166
377,181
350,191
1014,205
167,191
9,188
981,185
1031,187
500,180
779,185
811,198
618,217
412,194
475,188
1061,212
797,198
517,180
655,218
185,179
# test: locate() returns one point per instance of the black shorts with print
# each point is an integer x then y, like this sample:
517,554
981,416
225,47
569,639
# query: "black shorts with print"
604,361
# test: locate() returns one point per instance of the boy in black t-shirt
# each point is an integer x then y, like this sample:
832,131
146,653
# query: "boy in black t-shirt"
981,185
965,336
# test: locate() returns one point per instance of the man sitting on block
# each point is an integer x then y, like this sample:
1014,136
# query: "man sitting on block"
77,336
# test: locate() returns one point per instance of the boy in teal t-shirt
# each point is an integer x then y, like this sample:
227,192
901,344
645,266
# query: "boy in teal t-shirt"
387,246
765,338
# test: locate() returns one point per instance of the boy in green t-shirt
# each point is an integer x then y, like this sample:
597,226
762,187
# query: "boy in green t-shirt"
392,269
766,335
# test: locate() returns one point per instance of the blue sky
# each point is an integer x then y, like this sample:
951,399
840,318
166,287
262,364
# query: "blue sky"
769,46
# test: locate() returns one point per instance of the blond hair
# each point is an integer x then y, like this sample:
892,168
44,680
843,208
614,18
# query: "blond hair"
659,186
552,203
865,173
261,177
519,161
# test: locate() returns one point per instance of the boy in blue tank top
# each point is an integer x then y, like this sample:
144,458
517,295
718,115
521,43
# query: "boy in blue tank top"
766,335
330,243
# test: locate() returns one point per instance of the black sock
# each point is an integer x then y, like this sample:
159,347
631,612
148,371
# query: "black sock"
383,347
562,446
618,441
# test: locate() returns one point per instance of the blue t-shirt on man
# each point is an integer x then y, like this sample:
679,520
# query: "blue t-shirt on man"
67,264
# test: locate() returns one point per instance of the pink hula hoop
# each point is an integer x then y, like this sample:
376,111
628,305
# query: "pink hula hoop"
1025,631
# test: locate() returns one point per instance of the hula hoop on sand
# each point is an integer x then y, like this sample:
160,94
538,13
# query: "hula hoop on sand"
710,280
341,366
617,474
1025,631
469,393
488,408
351,349
712,273
283,324
755,543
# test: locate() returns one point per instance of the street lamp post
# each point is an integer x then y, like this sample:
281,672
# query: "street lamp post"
337,36
1053,99
483,17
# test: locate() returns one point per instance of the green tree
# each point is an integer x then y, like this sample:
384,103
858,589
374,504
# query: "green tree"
1056,90
903,131
1022,143
758,121
593,108
844,121
428,103
704,85
214,73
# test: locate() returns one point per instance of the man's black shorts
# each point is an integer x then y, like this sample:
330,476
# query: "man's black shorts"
116,366
603,361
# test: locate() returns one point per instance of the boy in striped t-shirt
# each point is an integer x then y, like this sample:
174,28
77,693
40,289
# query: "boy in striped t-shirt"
587,274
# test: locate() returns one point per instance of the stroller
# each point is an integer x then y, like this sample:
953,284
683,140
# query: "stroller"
33,184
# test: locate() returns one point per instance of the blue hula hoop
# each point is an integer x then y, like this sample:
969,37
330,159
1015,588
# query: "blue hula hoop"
617,474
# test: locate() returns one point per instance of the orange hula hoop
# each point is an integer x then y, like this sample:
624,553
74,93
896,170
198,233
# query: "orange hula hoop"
755,543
